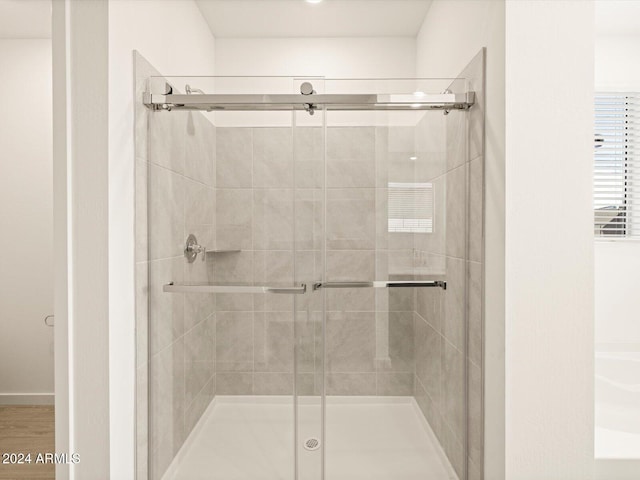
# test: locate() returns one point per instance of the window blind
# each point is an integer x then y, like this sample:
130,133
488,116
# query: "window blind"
616,177
410,207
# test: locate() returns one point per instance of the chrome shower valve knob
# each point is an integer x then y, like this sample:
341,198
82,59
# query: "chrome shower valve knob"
192,249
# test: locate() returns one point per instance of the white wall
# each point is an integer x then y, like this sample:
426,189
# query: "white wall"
538,281
617,264
61,252
174,37
26,221
445,51
549,258
613,68
391,57
617,276
81,98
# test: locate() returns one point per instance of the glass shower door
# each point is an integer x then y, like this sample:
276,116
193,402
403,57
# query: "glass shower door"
309,173
231,332
394,290
307,283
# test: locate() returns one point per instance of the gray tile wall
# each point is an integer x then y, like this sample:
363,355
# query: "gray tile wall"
448,324
142,70
439,316
369,333
181,201
475,73
175,333
369,336
255,208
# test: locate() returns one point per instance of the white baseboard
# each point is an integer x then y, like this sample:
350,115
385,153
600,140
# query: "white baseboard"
27,398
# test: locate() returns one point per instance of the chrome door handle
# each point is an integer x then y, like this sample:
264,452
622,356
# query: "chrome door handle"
287,290
319,285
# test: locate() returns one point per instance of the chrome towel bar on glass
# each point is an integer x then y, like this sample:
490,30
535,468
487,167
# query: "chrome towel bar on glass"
298,289
383,284
204,288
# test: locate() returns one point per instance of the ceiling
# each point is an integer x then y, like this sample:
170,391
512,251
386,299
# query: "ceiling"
25,18
258,18
298,18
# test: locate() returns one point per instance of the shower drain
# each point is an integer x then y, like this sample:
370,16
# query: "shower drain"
311,444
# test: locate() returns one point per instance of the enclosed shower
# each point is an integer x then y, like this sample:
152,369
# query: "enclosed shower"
308,265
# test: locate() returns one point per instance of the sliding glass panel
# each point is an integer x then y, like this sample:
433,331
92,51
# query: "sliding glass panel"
395,337
222,302
307,285
309,144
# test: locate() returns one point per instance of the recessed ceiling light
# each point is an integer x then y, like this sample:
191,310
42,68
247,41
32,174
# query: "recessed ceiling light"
313,1
413,158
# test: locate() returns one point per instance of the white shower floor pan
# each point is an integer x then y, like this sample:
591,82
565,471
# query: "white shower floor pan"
251,438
